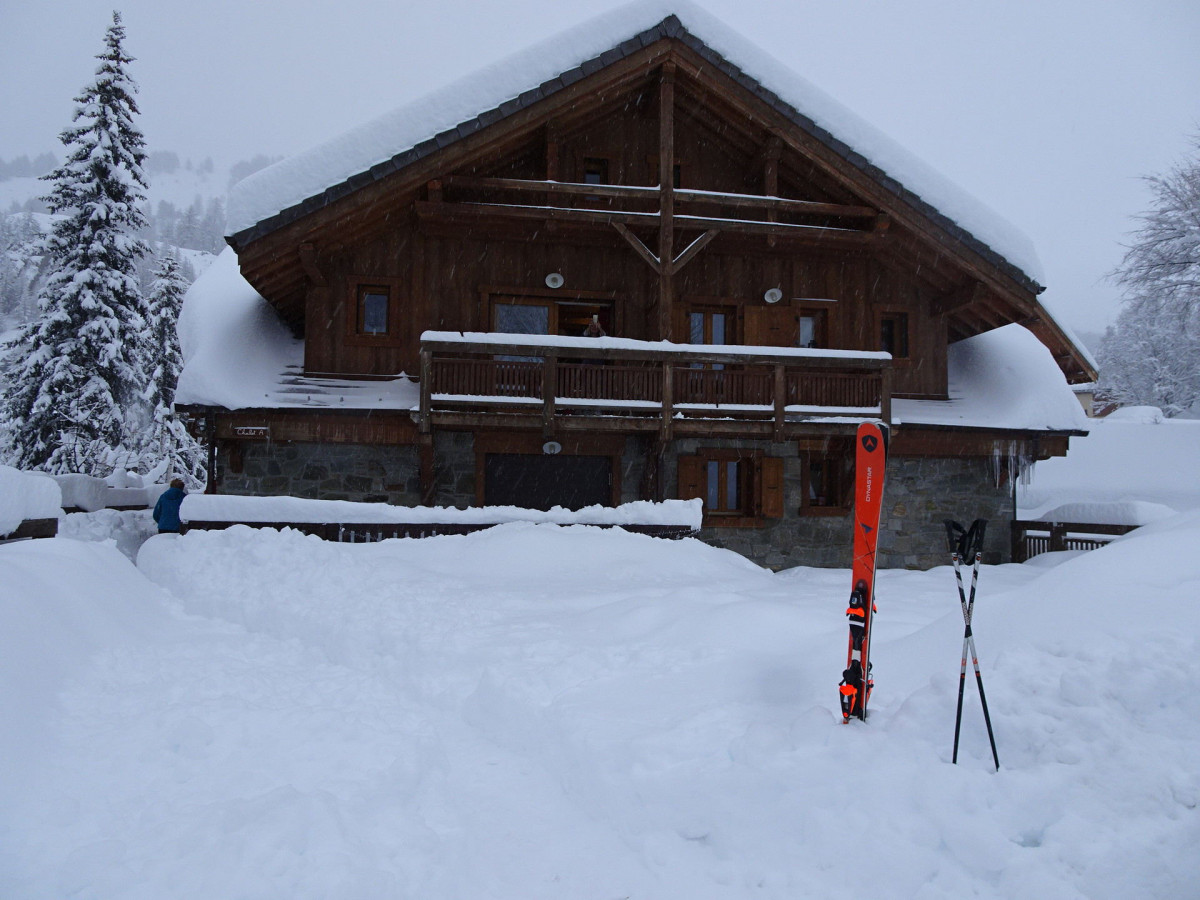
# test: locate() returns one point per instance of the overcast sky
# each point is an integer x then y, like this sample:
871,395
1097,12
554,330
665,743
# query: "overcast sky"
1048,111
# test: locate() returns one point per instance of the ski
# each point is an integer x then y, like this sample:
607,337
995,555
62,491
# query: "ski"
870,461
967,543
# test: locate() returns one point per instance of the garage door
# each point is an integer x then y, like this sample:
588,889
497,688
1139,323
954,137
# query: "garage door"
541,482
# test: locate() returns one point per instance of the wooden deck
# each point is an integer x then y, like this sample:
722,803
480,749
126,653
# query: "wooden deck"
656,386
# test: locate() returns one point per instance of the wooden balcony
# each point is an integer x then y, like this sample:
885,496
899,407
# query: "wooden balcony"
613,384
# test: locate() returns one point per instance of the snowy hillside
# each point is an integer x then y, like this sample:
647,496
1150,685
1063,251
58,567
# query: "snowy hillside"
545,712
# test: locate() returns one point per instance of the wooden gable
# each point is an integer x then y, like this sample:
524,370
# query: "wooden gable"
729,136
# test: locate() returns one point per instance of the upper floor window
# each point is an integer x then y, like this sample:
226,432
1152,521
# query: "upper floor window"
595,170
811,330
710,326
373,304
893,334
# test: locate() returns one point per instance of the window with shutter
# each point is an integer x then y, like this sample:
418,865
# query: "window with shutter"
737,487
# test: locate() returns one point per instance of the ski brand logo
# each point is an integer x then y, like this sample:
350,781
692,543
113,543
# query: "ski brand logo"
870,442
870,479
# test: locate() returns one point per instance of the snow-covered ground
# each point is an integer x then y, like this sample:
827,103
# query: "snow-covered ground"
1136,466
541,711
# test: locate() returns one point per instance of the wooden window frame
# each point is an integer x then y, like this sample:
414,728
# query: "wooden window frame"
491,295
356,287
760,489
679,169
897,315
837,459
731,311
821,315
609,167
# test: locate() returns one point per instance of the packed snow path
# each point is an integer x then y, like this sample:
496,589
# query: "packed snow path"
546,712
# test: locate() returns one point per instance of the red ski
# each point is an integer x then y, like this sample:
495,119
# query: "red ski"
870,461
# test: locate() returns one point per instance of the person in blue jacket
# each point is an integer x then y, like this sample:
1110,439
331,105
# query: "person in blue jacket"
166,510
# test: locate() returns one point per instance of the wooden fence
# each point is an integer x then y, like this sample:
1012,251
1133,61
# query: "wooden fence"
367,533
1030,538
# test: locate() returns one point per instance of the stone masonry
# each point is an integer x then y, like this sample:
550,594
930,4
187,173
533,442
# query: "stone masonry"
919,495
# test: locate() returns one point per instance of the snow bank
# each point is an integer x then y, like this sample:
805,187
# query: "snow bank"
62,602
26,495
1134,457
235,349
230,508
305,175
1119,512
544,712
1005,378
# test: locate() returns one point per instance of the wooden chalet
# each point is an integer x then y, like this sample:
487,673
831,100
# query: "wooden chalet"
762,287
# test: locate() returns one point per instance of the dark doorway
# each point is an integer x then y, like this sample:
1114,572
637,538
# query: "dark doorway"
542,481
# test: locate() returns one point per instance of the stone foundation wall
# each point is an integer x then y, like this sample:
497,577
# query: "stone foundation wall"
920,494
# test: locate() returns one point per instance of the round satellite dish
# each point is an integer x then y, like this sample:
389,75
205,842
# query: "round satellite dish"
774,295
554,280
551,447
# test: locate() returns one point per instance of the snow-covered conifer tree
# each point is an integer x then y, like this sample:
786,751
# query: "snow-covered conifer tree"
76,400
1151,355
171,441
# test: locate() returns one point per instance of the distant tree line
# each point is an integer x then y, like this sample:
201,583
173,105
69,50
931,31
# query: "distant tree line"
1151,355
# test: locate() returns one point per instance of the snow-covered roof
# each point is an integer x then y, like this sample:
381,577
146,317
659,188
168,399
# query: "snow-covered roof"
1005,378
271,197
238,355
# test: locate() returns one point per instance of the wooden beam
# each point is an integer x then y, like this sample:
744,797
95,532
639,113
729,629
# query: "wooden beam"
682,195
428,482
308,262
426,388
549,393
666,202
689,252
464,211
552,188
642,250
961,297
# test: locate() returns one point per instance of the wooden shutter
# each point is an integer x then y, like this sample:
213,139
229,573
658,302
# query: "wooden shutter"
691,478
770,487
771,326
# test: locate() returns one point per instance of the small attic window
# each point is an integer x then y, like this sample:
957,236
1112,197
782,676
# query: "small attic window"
595,170
373,303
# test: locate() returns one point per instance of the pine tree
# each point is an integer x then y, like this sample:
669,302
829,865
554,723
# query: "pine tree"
1151,355
171,444
76,399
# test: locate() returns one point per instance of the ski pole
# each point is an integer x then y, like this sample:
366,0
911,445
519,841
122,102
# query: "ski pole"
964,542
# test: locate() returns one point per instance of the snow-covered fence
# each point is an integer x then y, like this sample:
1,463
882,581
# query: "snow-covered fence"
30,504
1031,538
84,493
348,522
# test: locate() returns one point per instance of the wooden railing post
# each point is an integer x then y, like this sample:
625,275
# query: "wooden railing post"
885,396
668,411
426,389
780,400
549,392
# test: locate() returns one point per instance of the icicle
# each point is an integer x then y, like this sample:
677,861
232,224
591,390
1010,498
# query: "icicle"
1011,460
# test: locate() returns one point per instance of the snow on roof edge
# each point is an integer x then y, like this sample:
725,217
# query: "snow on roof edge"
371,150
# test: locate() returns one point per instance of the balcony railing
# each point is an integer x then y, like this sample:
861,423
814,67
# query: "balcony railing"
613,377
